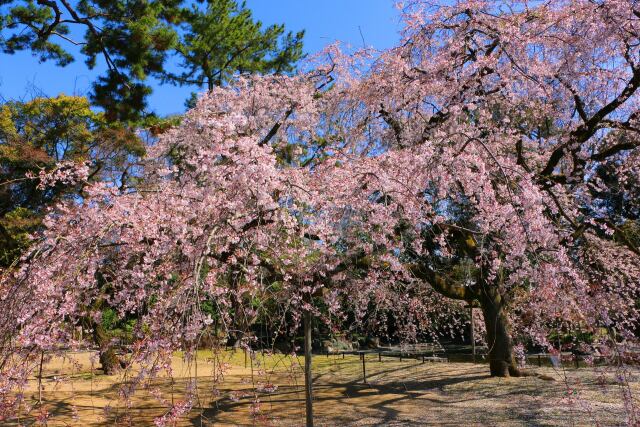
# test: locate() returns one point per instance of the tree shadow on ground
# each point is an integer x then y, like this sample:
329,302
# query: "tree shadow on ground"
339,395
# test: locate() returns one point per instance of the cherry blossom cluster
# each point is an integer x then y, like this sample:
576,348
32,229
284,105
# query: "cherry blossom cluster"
64,173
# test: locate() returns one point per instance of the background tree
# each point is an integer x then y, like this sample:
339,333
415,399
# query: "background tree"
221,38
48,134
131,38
134,40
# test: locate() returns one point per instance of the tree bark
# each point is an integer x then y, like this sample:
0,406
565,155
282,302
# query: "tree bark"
109,361
502,362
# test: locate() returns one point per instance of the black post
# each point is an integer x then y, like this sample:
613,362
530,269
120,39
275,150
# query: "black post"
473,338
364,370
308,379
40,379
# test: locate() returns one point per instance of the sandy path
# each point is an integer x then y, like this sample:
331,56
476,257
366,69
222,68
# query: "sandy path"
397,393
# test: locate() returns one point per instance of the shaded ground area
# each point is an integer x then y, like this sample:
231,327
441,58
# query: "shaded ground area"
406,392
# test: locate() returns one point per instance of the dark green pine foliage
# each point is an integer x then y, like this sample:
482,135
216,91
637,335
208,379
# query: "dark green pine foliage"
221,38
212,40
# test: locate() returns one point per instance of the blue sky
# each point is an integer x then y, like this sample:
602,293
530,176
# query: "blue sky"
22,77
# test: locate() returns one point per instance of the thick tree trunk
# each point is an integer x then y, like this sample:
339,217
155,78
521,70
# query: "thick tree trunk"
109,361
502,362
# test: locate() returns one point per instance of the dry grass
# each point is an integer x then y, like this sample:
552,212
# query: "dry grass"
396,393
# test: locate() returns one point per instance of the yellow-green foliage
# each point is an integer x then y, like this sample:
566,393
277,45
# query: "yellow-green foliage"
37,134
60,128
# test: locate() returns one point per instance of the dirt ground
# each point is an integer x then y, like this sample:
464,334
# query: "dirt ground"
397,393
